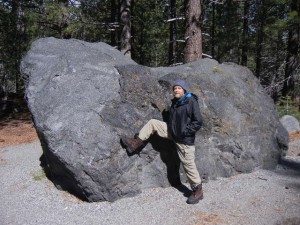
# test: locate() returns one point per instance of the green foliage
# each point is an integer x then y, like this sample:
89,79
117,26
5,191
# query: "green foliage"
286,106
13,43
97,20
217,69
40,175
150,33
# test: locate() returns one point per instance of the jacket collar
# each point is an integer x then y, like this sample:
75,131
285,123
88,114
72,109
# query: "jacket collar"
182,100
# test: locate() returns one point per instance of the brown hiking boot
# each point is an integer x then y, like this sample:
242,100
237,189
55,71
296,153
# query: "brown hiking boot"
196,195
133,145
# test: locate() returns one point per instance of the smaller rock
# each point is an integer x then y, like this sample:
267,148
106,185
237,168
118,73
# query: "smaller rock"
290,123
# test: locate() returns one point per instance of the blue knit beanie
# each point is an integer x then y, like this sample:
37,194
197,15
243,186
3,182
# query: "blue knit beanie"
180,83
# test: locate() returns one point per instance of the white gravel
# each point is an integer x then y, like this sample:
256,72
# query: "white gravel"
260,198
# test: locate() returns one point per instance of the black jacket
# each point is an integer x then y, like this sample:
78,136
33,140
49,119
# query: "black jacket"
184,119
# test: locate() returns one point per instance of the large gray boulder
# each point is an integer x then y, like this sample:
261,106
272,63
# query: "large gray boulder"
84,96
290,123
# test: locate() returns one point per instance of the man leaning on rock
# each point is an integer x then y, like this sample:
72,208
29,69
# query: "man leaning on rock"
184,121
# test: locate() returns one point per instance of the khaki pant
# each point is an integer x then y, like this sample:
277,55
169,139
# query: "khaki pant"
186,153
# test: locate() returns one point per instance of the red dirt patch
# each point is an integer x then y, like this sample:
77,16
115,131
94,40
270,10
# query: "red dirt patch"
17,129
204,219
294,147
294,136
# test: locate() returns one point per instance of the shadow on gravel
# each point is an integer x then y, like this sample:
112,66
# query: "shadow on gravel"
184,190
290,167
291,162
289,221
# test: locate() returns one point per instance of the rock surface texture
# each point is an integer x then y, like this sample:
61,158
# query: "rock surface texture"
290,123
85,96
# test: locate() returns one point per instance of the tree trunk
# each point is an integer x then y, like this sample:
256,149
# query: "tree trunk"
213,29
113,20
260,38
292,61
173,27
17,36
64,23
126,31
193,35
245,35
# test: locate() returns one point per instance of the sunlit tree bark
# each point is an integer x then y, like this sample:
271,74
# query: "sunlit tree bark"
193,35
126,24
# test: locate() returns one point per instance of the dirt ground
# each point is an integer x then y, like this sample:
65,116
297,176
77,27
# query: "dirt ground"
18,129
294,146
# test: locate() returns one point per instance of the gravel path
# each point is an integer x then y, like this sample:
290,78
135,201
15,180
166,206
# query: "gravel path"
260,198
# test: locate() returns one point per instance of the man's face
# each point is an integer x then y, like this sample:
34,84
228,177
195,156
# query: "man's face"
178,92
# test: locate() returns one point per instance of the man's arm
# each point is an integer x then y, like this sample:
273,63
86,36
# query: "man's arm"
196,119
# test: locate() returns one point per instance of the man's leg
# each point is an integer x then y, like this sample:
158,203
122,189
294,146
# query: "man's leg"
154,126
186,154
136,144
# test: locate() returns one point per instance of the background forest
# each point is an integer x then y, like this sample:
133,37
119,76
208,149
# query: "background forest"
260,34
